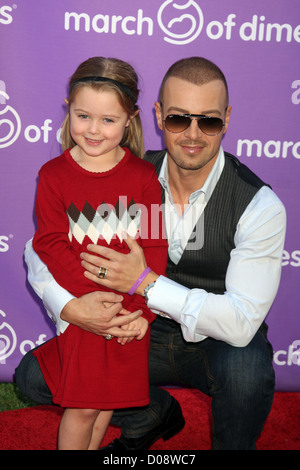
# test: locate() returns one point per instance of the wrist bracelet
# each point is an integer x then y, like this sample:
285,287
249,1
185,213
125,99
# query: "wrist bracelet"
139,281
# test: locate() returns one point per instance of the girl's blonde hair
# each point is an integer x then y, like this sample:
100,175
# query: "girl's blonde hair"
115,70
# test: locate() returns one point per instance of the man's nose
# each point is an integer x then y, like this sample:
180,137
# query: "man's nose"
193,131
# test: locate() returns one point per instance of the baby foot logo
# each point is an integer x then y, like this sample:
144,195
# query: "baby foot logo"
181,23
8,341
10,123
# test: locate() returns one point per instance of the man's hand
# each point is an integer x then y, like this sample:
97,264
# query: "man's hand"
122,269
90,313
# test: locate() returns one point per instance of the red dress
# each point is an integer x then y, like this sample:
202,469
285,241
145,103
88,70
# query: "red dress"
75,207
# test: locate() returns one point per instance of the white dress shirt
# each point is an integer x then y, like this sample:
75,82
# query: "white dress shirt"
252,277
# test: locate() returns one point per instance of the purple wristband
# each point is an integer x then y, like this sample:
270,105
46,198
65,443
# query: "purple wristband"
139,281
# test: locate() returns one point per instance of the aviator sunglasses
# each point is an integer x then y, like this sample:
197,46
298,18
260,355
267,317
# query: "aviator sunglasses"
180,122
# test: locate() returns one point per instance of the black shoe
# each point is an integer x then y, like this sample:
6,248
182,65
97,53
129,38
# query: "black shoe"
172,424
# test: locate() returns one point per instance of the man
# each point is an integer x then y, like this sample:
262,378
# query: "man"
226,231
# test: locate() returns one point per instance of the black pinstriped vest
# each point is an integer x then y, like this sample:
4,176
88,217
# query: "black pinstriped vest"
206,268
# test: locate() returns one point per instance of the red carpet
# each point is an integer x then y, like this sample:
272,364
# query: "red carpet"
36,428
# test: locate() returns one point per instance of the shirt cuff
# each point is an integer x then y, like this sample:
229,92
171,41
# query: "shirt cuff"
54,299
168,297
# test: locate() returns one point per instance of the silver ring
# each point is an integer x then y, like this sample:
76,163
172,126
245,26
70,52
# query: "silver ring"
108,337
102,272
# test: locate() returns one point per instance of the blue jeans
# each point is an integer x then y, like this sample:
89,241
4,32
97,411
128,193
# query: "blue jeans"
240,381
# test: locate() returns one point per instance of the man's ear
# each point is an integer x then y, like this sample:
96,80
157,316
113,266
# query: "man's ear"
159,116
227,119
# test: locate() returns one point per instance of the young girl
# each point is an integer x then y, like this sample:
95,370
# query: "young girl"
93,192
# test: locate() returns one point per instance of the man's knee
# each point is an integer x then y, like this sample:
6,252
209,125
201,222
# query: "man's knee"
249,370
30,380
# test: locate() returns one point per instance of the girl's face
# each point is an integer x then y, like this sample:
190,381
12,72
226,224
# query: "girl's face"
97,124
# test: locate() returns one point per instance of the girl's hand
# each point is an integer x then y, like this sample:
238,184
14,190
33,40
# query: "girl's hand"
140,324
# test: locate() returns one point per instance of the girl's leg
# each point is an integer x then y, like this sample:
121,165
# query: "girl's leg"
99,428
82,429
76,428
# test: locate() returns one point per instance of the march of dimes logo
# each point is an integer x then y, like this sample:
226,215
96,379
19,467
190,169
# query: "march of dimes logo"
189,14
9,342
10,123
182,22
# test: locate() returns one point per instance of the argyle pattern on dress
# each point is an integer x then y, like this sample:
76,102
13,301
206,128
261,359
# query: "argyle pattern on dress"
106,221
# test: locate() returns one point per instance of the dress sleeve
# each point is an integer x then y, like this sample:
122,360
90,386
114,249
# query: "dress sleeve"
51,241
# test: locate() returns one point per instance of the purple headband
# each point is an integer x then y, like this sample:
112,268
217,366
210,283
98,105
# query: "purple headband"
120,85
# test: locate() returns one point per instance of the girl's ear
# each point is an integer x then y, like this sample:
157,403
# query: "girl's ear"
132,117
66,101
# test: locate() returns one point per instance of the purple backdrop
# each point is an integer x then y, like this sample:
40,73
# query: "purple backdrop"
257,46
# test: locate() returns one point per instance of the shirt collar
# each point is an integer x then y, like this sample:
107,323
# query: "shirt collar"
209,184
